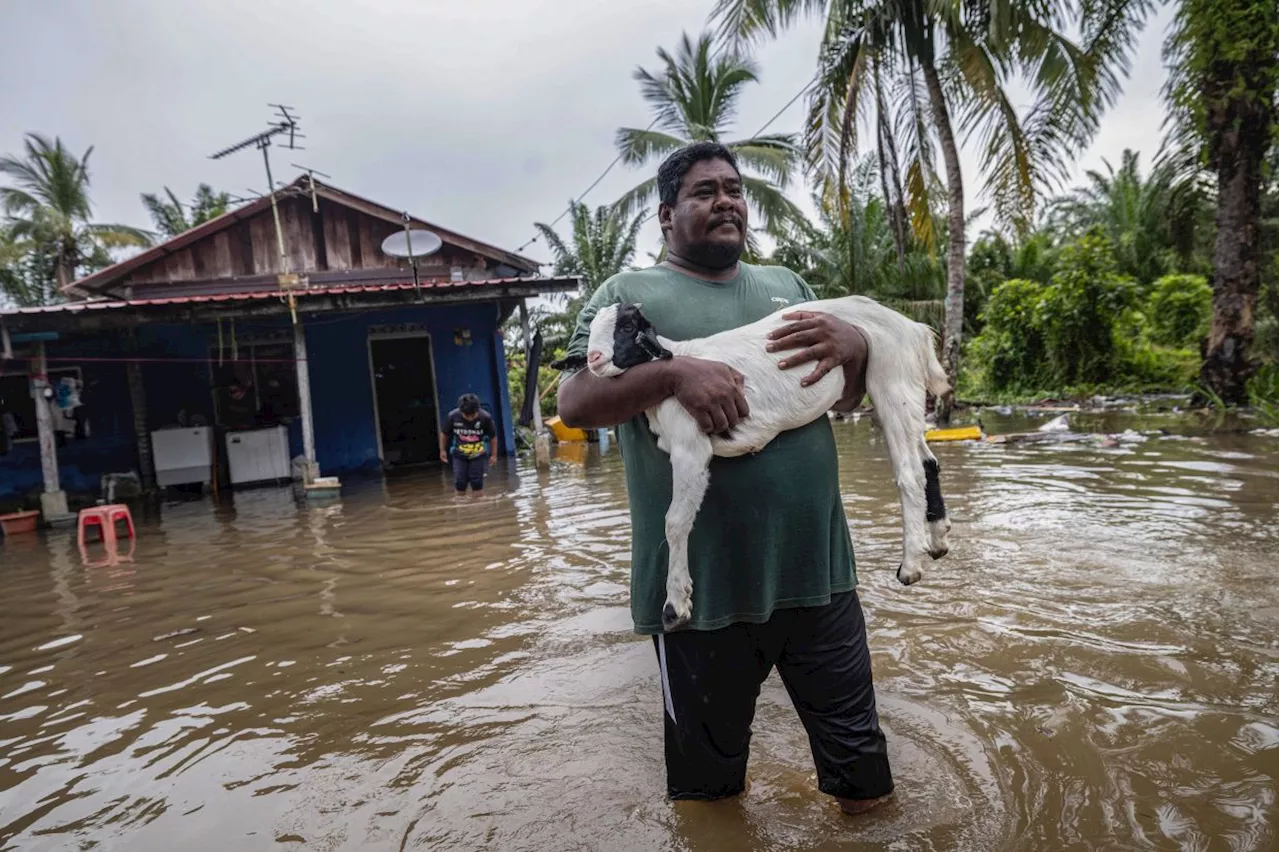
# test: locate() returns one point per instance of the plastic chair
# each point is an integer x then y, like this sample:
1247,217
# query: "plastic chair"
106,518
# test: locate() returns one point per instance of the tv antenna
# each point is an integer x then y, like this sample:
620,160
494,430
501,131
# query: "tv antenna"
413,244
311,184
283,124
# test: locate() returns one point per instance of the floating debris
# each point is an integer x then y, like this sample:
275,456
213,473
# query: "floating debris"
961,433
1057,424
184,631
1060,436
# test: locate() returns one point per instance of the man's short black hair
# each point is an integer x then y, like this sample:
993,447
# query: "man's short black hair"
468,403
673,169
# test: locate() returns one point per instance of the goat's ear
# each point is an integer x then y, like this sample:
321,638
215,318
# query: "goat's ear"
569,362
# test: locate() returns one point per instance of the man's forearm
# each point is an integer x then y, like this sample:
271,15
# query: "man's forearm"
854,390
586,401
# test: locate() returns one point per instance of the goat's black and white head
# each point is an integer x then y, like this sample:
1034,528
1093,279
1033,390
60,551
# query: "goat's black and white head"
621,337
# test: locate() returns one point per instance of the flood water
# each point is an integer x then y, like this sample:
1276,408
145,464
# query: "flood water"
1094,666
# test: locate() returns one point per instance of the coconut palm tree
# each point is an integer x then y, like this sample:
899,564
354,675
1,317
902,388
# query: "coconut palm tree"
48,208
600,246
694,96
951,63
172,218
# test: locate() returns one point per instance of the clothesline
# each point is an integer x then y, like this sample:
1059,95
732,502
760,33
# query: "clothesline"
141,360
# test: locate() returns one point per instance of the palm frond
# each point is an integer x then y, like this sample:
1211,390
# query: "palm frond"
772,156
119,236
638,198
772,208
640,146
742,21
694,96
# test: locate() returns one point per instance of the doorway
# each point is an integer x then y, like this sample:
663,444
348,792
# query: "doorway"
404,398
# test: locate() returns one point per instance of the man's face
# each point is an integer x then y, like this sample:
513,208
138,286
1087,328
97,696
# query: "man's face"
708,224
470,418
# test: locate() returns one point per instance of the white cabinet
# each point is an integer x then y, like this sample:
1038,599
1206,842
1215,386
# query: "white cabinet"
182,455
258,455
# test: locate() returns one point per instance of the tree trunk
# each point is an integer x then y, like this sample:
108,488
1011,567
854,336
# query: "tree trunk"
953,317
1226,367
886,152
64,272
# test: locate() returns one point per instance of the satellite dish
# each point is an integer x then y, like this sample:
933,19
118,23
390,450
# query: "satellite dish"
411,243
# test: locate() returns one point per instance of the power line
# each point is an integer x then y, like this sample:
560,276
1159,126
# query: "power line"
778,114
578,200
618,158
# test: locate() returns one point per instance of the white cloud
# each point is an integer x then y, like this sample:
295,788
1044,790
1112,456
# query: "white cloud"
483,116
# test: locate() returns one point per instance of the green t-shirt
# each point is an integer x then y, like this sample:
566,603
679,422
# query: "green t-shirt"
771,532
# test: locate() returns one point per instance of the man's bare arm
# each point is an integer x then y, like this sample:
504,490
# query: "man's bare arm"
710,391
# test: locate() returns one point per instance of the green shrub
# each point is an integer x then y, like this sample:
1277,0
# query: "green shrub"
1082,330
1084,304
1158,368
515,380
1011,347
1179,310
1264,392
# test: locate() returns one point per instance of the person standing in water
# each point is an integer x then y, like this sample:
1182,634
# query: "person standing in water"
770,552
469,441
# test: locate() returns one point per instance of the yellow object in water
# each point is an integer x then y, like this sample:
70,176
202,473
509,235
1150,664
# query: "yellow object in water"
563,432
963,433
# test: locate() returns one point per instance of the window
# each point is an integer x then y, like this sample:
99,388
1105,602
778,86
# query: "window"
260,388
18,409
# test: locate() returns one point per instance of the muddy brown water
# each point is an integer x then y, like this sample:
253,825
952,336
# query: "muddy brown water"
1093,667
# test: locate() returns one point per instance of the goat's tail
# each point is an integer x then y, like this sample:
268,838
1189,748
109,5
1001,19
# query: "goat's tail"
935,375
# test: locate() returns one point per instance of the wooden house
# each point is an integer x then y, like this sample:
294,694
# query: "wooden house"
309,332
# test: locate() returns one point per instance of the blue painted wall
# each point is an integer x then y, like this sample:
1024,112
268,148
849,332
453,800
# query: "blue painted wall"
341,388
110,446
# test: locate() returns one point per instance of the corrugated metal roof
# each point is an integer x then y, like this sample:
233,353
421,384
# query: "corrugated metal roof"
556,284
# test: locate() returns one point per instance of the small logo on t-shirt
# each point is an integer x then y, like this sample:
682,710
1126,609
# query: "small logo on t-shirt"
779,300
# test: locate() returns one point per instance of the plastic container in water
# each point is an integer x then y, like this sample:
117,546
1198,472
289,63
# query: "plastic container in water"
565,433
18,523
962,433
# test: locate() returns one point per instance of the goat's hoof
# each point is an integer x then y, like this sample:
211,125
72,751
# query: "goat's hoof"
906,577
938,545
672,620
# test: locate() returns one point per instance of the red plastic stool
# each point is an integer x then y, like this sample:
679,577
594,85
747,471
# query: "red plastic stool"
106,518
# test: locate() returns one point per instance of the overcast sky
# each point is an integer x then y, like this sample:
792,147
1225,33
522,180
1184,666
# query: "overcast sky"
480,115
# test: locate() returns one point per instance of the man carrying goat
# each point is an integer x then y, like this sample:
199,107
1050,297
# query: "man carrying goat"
769,554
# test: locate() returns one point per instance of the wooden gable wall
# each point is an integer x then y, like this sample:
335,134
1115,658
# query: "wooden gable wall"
336,238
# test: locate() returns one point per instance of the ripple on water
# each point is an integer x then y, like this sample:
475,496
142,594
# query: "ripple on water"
1093,666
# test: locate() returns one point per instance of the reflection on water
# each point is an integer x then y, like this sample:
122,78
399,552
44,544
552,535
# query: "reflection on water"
1093,667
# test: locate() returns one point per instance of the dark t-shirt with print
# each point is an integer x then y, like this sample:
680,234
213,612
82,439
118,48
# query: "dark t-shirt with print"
469,439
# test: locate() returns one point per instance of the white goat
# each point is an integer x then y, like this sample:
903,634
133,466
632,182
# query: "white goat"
901,367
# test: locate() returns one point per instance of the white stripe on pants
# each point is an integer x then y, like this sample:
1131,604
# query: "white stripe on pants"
666,682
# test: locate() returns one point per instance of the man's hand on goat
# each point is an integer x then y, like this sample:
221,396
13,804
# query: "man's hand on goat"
829,341
710,391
